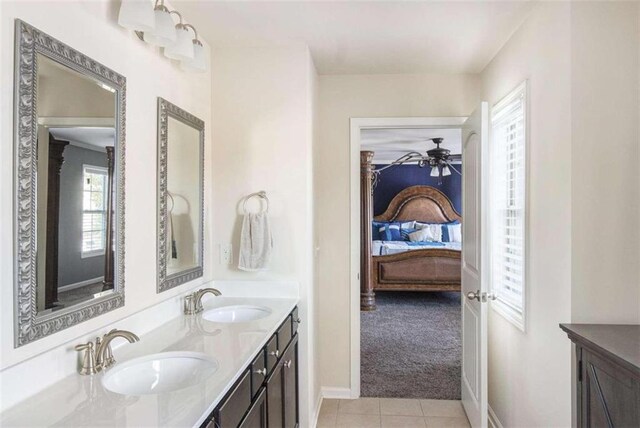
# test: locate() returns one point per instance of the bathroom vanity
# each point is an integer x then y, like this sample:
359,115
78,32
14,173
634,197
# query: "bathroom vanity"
254,383
607,374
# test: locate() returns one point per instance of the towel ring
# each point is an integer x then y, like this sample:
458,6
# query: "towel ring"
173,203
261,194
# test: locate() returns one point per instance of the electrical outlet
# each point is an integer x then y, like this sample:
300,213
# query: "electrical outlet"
226,254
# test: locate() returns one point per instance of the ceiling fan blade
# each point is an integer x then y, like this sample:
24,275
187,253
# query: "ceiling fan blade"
450,165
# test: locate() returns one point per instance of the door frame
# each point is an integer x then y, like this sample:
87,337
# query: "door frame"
356,125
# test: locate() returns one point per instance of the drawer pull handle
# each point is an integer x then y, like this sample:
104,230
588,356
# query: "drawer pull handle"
275,353
287,364
262,372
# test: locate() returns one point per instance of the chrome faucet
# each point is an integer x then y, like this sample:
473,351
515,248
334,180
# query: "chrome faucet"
193,301
103,357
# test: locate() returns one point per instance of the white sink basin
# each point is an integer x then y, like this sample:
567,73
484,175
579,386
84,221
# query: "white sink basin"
158,373
237,313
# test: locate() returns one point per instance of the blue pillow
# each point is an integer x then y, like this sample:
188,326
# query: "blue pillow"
445,230
390,232
375,230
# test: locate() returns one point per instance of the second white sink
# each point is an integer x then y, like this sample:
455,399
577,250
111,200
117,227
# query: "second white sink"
236,313
158,373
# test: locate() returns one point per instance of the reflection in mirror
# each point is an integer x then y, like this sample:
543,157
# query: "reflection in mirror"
181,143
76,137
72,167
183,193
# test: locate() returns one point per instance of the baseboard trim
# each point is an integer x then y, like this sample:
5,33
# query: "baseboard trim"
336,393
316,411
80,284
494,422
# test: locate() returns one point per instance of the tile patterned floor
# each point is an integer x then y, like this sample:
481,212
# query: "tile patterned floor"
392,413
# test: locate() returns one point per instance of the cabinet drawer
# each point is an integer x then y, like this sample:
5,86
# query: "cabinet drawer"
284,334
272,353
258,372
236,404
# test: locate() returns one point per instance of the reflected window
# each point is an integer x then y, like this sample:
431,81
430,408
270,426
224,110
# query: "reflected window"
94,210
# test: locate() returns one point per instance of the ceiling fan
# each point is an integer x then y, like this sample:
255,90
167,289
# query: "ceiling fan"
438,159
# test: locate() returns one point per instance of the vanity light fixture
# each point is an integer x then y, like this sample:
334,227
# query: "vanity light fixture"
136,15
156,26
164,33
182,49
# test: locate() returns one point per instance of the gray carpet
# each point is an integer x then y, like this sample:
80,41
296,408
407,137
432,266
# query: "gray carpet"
411,346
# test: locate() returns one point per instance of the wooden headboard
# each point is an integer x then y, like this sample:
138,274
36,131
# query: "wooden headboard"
422,203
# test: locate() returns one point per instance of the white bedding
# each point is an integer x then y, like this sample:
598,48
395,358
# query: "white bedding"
385,248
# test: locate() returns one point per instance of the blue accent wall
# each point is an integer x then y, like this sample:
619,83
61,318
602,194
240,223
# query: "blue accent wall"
398,178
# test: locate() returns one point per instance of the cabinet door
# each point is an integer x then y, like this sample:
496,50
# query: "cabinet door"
290,378
275,401
257,416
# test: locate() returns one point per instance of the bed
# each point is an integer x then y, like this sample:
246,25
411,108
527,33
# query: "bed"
402,265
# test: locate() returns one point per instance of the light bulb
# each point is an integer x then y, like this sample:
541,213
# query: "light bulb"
446,171
435,172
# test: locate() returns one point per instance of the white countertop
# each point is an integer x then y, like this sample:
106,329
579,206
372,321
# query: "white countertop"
82,401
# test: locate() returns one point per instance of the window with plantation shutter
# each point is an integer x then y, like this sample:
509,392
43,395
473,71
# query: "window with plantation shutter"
508,204
94,210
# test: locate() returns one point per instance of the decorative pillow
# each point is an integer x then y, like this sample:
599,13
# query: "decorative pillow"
452,232
434,228
422,235
390,232
375,230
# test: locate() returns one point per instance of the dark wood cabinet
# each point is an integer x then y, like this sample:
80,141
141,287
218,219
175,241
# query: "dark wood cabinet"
290,384
607,374
266,395
257,416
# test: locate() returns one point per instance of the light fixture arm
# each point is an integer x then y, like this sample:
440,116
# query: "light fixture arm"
196,39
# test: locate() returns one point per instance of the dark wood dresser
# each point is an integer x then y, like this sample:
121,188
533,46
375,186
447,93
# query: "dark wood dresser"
608,374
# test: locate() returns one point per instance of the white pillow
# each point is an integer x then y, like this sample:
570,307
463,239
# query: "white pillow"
455,232
434,229
422,235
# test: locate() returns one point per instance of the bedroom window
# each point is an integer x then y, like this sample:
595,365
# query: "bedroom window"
508,204
94,210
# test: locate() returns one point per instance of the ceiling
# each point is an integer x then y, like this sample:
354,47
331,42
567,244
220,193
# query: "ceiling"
362,37
93,138
389,144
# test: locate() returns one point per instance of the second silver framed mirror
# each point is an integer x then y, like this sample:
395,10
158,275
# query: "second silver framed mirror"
180,196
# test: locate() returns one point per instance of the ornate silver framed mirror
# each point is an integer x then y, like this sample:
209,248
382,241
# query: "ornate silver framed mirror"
69,127
180,196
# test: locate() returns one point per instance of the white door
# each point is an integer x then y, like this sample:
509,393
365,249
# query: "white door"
475,138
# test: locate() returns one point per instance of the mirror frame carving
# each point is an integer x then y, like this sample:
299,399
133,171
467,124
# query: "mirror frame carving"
29,326
165,110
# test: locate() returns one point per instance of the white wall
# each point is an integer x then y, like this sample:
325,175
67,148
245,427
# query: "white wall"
581,60
263,107
535,366
91,27
341,98
604,174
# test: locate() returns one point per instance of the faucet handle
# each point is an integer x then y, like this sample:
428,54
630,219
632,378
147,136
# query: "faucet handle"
190,304
88,366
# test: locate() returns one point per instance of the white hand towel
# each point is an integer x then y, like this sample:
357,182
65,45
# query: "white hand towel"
256,243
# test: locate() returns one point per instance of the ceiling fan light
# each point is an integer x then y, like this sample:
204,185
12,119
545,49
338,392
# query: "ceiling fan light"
446,171
182,49
435,172
136,15
164,33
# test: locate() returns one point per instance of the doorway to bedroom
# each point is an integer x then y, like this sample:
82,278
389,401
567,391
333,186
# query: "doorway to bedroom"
410,271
